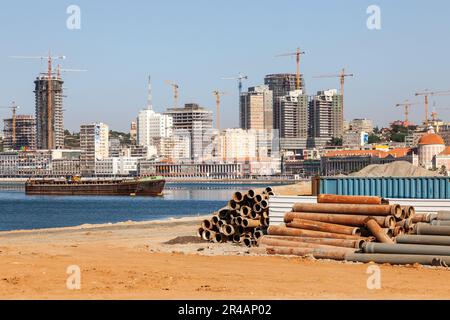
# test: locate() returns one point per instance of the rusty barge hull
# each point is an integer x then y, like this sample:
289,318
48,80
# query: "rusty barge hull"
121,188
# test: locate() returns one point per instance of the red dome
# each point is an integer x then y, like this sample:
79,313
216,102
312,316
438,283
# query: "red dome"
431,138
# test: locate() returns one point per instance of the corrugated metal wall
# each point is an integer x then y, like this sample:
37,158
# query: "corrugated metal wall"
388,187
279,205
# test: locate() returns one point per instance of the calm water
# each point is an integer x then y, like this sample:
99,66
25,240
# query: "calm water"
18,211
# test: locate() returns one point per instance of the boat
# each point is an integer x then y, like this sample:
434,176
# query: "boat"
75,185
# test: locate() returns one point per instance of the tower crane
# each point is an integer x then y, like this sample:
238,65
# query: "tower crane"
427,94
49,58
14,108
297,54
175,88
218,95
406,106
239,78
341,75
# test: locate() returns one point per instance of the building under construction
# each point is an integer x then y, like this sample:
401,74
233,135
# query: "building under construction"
49,112
24,135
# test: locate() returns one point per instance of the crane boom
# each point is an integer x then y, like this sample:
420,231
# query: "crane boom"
297,54
428,93
175,88
218,94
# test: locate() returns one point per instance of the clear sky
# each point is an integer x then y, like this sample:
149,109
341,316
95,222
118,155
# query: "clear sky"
197,42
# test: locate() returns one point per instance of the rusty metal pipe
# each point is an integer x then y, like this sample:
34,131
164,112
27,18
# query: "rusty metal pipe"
236,238
440,223
406,249
207,224
329,241
224,213
227,229
233,205
410,211
350,220
358,209
323,226
250,223
268,190
251,194
238,196
286,243
219,238
398,259
285,231
428,240
333,198
318,253
257,208
423,217
200,232
215,220
264,204
245,211
249,242
398,231
258,198
377,231
443,215
427,229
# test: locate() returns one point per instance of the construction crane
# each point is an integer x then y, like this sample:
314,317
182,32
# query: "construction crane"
297,54
218,94
175,88
14,108
49,58
341,75
428,93
58,70
239,78
407,105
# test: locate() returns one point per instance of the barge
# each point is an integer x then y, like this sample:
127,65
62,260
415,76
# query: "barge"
148,186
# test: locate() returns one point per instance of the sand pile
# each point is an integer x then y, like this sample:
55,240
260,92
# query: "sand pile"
394,169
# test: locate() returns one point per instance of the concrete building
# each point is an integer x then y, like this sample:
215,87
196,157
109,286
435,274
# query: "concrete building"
430,145
133,131
49,135
122,166
8,163
114,147
196,123
94,142
441,161
355,139
25,133
360,125
348,161
326,115
153,125
294,121
256,108
174,148
280,85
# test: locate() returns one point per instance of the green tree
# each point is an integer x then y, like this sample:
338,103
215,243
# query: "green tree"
373,138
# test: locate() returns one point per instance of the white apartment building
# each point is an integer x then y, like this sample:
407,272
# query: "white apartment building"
116,166
153,125
94,144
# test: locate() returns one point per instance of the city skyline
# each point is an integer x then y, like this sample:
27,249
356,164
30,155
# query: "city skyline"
199,63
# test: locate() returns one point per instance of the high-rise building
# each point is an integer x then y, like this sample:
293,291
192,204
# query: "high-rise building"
281,84
25,133
49,112
152,125
196,123
294,121
94,143
326,116
133,131
256,108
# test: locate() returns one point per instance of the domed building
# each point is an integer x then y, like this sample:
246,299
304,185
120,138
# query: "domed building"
430,145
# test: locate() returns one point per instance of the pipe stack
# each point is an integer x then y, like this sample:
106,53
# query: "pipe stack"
361,229
244,219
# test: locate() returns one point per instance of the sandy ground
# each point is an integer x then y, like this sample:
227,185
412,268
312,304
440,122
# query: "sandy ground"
130,261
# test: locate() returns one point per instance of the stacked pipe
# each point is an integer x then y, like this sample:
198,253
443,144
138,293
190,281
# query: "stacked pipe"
361,229
244,219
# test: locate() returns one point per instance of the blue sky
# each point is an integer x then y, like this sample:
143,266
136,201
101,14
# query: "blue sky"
197,42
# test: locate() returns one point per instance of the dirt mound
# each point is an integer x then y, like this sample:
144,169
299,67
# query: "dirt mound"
394,169
185,240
